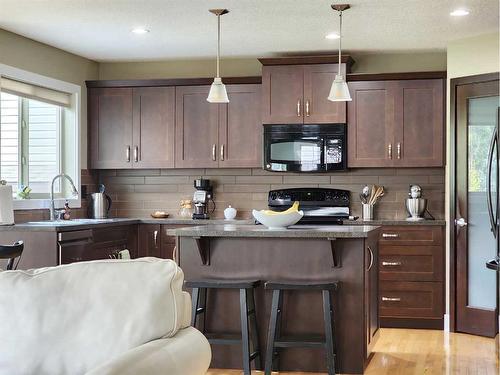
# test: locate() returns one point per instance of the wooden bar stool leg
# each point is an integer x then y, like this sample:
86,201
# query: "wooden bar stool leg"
194,303
202,304
254,331
327,315
245,340
271,334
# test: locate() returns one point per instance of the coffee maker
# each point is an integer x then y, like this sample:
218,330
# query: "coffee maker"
201,199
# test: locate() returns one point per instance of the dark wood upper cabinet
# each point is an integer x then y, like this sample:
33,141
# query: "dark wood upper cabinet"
110,127
419,138
370,124
240,128
218,135
131,128
197,124
317,83
154,127
396,123
297,94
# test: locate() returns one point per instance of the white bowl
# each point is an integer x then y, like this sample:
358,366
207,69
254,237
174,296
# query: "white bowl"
277,221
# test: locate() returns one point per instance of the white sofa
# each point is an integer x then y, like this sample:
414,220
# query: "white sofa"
103,317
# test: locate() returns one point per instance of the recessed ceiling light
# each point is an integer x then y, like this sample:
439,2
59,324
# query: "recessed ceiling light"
140,30
459,12
332,36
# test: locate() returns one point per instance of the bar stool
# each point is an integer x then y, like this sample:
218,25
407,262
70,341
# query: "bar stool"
11,252
276,341
249,338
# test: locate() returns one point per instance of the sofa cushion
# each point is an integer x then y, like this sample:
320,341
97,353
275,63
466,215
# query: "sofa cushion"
72,318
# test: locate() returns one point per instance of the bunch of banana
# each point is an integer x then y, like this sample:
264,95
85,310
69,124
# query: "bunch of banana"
294,208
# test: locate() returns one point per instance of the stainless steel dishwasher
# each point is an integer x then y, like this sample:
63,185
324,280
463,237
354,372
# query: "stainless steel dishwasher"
75,246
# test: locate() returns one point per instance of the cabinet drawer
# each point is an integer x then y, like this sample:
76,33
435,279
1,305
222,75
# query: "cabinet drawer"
411,299
411,263
411,235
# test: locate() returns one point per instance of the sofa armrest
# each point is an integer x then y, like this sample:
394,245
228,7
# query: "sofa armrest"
186,353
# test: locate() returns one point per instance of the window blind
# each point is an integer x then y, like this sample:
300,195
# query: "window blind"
39,93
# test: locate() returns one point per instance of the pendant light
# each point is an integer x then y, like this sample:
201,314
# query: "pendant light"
339,91
218,93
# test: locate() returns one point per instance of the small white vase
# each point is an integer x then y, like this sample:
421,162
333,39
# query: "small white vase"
230,213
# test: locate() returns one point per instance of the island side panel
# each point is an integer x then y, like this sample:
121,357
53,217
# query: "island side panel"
40,248
285,258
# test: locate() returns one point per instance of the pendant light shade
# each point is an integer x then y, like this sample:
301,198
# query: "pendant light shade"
218,93
339,91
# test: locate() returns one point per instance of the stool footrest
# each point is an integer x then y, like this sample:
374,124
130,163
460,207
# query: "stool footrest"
254,355
223,339
300,342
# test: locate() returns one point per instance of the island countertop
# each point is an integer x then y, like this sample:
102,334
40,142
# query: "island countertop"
260,231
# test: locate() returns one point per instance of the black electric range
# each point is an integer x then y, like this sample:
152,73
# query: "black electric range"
320,205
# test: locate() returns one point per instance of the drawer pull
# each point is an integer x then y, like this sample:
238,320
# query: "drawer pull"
391,299
391,264
390,235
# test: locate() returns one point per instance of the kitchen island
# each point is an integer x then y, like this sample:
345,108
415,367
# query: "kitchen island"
348,254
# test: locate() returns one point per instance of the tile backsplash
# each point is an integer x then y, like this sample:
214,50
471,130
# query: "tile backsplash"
137,193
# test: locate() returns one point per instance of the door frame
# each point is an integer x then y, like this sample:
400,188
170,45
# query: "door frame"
454,84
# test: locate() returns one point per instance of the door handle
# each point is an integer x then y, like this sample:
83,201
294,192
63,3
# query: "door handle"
127,153
371,258
214,152
461,222
391,264
307,108
493,220
222,152
136,154
390,235
298,108
391,299
155,237
398,148
389,150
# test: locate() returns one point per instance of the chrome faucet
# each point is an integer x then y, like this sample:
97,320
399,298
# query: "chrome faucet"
74,191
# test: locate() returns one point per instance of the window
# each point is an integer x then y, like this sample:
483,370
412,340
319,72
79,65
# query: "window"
30,143
39,136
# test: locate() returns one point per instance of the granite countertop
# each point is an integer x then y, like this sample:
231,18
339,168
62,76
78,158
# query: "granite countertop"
260,231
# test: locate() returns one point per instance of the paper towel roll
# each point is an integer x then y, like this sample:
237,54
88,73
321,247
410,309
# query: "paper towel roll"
6,209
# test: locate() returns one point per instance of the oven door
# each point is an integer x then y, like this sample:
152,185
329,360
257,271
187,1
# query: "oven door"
293,152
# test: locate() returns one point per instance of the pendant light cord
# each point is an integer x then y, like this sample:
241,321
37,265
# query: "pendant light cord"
218,45
340,41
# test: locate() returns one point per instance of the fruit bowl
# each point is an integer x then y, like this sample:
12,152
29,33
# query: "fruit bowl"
278,220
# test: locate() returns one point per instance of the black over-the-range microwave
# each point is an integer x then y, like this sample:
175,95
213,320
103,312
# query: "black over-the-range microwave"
305,148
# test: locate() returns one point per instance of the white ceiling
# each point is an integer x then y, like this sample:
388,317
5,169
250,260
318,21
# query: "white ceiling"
100,29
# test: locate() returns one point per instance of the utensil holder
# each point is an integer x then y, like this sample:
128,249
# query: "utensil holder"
367,211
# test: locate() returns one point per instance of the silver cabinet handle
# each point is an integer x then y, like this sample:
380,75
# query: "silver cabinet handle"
371,258
127,153
389,150
308,113
136,154
214,152
222,152
391,299
155,237
391,264
298,108
398,148
390,235
461,222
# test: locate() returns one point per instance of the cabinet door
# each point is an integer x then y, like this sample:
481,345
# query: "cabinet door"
196,133
283,94
371,294
240,131
154,127
420,123
149,244
370,124
168,242
110,130
317,83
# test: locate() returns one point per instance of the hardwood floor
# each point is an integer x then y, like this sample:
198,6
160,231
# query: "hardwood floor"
417,352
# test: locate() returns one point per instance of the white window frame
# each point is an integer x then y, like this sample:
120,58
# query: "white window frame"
75,91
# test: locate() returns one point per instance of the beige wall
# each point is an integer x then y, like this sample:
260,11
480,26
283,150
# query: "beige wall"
466,57
371,63
27,54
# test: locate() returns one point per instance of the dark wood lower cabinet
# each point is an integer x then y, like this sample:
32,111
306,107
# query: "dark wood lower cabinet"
411,276
153,241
